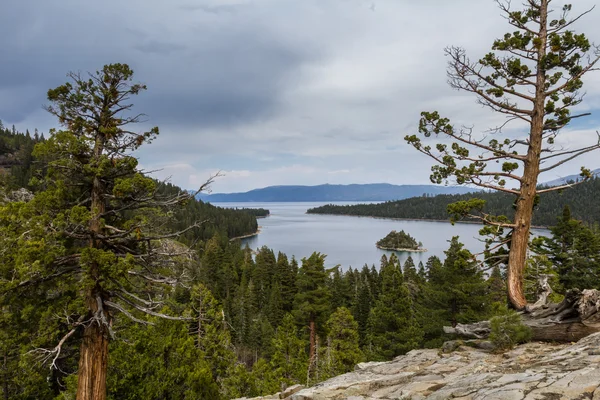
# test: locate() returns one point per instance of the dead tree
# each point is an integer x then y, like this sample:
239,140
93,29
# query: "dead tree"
575,317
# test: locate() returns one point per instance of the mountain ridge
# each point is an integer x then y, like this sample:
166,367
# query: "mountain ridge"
334,192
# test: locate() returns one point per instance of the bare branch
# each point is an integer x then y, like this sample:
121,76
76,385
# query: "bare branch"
126,313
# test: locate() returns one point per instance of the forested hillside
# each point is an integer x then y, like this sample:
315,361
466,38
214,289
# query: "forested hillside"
16,159
582,199
256,317
18,166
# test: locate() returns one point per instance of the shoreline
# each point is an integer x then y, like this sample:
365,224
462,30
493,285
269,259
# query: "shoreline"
419,219
246,236
419,250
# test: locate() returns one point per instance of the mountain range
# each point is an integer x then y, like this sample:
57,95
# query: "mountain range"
327,192
569,178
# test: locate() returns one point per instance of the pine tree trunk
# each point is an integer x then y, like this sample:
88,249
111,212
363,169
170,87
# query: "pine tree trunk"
93,360
311,351
524,205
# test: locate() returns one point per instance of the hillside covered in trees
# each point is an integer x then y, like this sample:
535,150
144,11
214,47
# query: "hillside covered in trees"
257,313
582,199
16,159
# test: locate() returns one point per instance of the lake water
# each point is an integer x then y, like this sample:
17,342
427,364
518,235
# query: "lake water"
348,241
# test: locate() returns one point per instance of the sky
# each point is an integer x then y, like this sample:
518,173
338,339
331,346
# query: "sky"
272,92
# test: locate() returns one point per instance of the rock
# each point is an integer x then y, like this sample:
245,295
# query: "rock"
290,391
481,344
529,372
451,345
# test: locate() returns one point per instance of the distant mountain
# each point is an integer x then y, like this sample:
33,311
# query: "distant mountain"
569,178
354,192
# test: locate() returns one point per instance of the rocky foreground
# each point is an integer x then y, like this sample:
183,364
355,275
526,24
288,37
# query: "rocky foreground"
530,371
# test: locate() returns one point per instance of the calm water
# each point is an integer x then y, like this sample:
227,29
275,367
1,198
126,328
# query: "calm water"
348,241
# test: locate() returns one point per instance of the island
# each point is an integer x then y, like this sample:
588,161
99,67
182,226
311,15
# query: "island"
400,241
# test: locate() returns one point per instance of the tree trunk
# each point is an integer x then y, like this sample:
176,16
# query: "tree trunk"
93,360
524,205
576,317
312,329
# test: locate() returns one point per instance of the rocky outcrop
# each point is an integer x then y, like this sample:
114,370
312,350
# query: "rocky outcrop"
530,371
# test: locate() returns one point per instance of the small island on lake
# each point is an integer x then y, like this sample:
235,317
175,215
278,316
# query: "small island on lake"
400,241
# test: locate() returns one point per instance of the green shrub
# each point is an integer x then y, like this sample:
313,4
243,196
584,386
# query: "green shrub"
507,329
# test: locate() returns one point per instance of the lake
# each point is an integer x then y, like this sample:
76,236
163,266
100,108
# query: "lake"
348,241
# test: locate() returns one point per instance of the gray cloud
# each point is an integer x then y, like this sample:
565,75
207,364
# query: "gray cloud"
273,91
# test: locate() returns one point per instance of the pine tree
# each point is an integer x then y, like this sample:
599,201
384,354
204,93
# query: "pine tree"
574,251
458,288
392,326
160,361
289,360
533,75
311,302
86,246
342,352
497,286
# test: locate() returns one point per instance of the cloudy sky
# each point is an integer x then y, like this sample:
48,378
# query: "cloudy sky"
270,92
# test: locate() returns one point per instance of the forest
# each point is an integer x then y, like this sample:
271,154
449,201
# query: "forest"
262,318
114,285
581,198
256,313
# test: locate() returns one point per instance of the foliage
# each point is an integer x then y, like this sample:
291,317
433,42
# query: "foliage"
532,75
393,326
257,212
572,253
399,240
581,199
17,162
507,329
342,351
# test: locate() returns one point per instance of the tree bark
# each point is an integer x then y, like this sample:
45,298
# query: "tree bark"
524,205
312,329
576,317
93,360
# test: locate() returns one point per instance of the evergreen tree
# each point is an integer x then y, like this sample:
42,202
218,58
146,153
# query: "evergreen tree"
342,352
311,302
160,361
86,242
533,75
289,361
458,288
393,327
497,286
432,316
574,250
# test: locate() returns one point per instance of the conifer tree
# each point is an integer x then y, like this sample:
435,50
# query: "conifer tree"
392,328
497,286
289,361
311,302
574,252
533,76
86,242
342,352
458,287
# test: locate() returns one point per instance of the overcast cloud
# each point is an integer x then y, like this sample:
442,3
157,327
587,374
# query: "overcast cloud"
270,92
